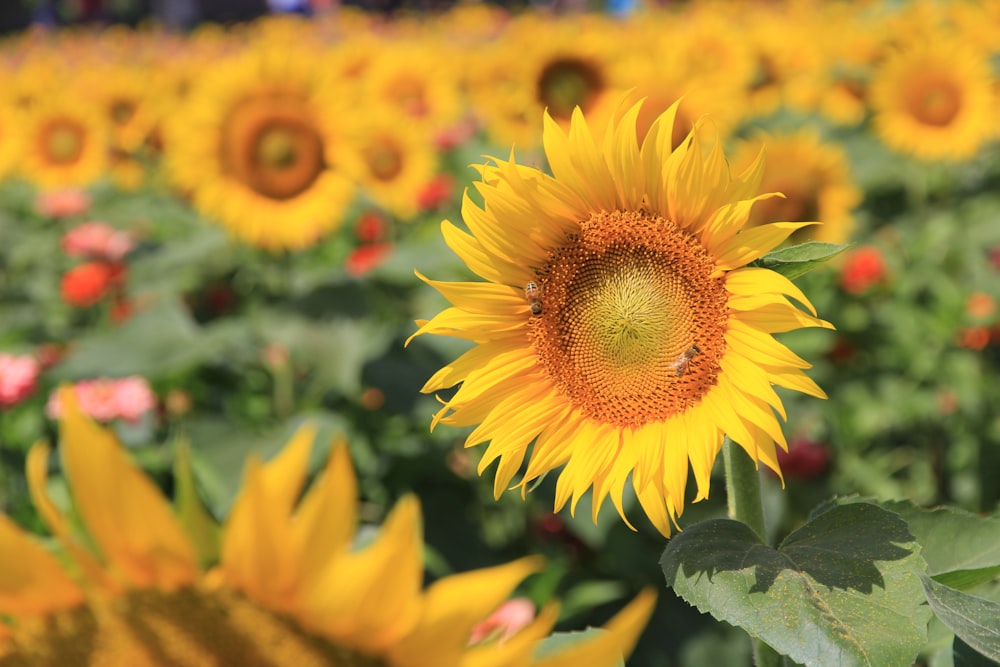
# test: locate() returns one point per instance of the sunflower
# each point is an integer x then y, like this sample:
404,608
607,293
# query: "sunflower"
11,123
64,141
412,76
814,178
934,100
619,329
288,588
260,149
398,163
543,65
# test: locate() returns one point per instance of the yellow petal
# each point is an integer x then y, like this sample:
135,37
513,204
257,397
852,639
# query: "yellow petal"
751,244
452,607
31,579
615,643
326,520
130,521
371,599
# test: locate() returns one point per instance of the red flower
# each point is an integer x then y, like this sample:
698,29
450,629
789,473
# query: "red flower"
804,459
365,258
862,268
88,283
974,338
370,228
436,193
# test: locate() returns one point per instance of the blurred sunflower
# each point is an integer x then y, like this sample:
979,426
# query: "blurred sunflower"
65,140
542,65
398,163
11,127
124,93
258,146
814,178
934,100
619,331
412,77
289,588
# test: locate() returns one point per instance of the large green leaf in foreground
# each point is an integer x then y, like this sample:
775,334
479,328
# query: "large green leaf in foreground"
844,589
975,620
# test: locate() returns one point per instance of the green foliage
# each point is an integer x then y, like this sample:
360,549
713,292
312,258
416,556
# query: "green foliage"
971,618
794,261
841,590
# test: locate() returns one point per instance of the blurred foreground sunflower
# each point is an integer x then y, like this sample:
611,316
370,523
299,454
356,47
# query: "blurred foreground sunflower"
934,100
289,588
259,148
619,331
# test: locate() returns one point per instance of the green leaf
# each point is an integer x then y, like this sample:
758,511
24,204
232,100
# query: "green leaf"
561,641
200,526
975,620
961,548
795,260
155,342
841,590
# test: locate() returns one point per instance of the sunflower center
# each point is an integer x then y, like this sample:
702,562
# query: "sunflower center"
123,111
632,324
568,83
276,147
936,103
63,141
272,145
190,628
384,159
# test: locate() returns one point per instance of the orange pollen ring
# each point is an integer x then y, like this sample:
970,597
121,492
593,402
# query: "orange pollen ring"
632,327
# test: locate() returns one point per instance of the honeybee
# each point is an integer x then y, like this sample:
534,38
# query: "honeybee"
681,365
533,293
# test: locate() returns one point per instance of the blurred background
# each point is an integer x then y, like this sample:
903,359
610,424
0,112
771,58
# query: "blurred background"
211,213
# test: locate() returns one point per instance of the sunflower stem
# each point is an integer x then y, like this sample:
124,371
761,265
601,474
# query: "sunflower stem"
743,494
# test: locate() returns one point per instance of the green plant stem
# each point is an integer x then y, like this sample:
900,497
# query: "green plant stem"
743,496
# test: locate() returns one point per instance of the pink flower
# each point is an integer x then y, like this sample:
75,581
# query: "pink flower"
134,398
505,622
107,399
18,378
62,203
97,240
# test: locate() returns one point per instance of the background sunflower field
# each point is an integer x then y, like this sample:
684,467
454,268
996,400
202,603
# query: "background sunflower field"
213,235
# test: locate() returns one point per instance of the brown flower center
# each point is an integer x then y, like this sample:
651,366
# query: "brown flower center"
631,325
566,83
188,628
936,102
384,159
272,145
63,140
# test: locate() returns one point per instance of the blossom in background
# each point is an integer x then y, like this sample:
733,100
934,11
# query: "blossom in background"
370,227
509,619
934,99
86,284
18,378
107,399
63,203
436,193
289,586
805,459
862,269
619,332
97,240
365,258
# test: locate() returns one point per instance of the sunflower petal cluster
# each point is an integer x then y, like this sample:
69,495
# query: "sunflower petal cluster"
619,330
289,587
